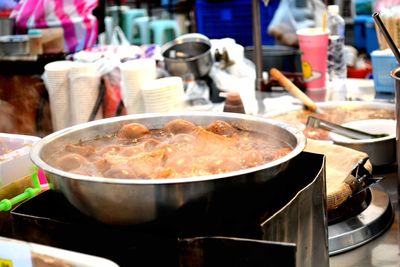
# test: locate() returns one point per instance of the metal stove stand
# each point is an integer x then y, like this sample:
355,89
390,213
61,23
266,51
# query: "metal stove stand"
262,225
364,227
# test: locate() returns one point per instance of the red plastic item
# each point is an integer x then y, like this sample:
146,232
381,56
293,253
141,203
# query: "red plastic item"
5,13
359,73
113,96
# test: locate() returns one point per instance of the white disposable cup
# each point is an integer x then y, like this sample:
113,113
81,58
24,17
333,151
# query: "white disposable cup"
164,95
134,74
57,84
84,90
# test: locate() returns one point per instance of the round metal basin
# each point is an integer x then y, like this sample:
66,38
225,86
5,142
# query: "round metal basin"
134,201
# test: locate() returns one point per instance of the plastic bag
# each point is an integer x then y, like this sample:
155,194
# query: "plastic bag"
112,104
292,15
381,5
75,17
118,37
238,78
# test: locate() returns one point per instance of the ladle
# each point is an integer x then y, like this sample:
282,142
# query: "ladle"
339,129
294,90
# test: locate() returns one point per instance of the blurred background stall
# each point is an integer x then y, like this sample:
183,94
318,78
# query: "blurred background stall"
65,63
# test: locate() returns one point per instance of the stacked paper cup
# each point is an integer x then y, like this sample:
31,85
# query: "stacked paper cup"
163,95
57,83
84,90
134,74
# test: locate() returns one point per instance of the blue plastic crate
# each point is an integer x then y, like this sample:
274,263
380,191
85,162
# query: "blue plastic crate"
221,19
359,31
370,36
365,33
382,65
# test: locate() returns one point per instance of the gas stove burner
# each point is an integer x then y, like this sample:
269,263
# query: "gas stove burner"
352,207
351,231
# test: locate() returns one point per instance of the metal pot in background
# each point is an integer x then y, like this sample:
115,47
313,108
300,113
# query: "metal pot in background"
14,45
6,26
381,152
396,75
283,58
187,54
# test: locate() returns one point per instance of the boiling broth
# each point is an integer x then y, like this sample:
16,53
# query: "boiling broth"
180,149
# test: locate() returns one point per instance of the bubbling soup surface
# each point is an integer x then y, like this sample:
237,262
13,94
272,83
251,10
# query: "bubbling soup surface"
180,149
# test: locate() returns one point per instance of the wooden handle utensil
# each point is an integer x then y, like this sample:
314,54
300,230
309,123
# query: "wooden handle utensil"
293,89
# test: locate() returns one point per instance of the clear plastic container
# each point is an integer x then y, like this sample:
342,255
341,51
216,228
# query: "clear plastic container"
336,26
14,156
337,68
31,254
18,176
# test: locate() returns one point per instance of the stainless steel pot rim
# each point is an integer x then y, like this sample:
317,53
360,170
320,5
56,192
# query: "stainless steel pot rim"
36,148
14,38
364,142
172,43
335,104
391,137
374,104
393,73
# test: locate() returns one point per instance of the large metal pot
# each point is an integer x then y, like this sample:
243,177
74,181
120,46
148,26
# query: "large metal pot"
6,26
381,151
188,54
396,75
133,201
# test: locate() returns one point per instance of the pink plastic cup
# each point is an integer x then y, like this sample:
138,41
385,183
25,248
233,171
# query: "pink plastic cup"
313,43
